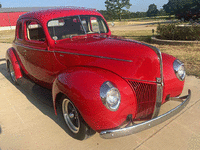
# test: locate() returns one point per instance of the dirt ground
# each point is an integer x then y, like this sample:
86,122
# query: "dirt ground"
137,25
132,27
27,121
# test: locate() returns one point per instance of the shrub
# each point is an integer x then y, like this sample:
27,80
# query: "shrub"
175,32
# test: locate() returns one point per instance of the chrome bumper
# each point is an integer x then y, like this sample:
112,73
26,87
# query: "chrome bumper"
109,134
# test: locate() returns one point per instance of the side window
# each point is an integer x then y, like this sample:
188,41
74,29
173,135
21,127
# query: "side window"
94,24
20,32
34,31
102,26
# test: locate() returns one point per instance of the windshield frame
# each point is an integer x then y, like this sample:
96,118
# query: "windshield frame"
81,25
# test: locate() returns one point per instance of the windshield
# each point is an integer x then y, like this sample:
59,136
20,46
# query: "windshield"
67,27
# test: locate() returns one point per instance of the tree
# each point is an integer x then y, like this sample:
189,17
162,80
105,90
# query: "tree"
152,11
177,6
106,15
0,5
162,12
114,7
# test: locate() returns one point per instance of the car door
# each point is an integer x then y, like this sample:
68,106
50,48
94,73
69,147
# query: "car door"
37,56
19,44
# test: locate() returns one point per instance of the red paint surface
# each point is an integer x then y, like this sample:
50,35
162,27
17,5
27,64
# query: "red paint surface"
78,67
11,57
173,86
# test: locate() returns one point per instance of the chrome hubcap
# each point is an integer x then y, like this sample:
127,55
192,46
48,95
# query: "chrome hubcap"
71,115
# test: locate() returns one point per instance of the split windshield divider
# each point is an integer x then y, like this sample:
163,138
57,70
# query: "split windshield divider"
82,25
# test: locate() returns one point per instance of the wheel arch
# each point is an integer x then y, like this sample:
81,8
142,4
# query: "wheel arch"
58,98
82,86
11,58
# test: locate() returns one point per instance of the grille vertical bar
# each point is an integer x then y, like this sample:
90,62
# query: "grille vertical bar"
146,98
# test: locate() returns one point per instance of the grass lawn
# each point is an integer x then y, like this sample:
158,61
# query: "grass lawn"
189,54
140,35
7,36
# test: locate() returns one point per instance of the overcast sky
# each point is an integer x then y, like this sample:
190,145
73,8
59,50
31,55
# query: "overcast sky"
137,5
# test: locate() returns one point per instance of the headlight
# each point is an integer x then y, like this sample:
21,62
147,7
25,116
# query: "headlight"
110,96
179,69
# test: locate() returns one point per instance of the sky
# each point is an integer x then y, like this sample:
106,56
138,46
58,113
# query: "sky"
137,5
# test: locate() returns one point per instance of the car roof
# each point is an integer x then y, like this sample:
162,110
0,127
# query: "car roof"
48,14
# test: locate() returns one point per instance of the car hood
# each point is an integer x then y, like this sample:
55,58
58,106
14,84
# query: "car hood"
127,58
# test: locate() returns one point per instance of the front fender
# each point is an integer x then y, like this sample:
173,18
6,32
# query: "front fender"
173,86
82,86
11,57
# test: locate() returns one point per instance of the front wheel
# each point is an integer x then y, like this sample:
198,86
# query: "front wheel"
75,123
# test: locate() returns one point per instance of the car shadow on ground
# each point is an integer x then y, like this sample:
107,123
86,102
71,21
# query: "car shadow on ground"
38,96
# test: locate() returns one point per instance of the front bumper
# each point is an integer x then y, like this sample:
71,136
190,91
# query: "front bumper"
108,134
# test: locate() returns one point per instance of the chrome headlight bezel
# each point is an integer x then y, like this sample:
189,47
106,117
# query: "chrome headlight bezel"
179,70
110,96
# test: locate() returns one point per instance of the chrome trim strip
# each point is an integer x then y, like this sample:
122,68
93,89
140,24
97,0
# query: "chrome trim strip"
160,85
109,134
155,49
159,95
32,48
94,56
158,52
75,53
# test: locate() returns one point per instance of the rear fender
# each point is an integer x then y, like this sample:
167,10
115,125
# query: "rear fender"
82,86
11,57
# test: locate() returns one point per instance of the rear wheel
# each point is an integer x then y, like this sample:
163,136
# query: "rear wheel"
75,123
12,73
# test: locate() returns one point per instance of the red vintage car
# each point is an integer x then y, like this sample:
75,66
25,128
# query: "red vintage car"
100,83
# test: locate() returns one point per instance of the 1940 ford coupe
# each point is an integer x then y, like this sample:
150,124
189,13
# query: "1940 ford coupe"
99,82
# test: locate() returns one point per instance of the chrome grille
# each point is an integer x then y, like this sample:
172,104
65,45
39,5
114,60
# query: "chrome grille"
146,98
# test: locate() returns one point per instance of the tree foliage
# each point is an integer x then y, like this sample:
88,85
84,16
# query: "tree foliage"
115,7
0,5
175,6
162,12
152,11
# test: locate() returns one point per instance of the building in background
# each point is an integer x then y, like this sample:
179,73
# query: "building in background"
9,16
